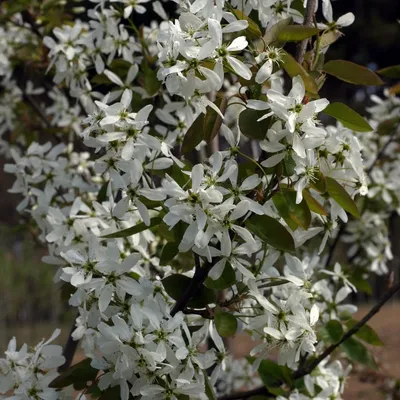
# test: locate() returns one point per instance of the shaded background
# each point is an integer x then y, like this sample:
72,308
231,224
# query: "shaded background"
31,305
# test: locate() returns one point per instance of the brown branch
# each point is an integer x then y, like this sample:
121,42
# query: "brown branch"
261,391
328,351
383,149
334,244
69,350
198,279
308,21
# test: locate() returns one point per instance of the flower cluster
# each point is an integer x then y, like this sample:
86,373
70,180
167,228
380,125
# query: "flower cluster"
28,372
166,250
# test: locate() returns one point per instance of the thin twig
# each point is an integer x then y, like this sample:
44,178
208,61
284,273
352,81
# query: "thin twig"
69,350
333,246
28,17
382,150
37,109
308,21
261,391
198,279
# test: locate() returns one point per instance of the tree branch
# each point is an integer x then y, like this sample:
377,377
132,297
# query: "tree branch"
308,21
198,279
382,150
261,391
328,351
334,244
69,350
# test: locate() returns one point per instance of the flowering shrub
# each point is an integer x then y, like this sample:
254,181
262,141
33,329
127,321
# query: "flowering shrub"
185,195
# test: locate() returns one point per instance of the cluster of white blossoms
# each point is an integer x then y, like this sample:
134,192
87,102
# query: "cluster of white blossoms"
28,372
135,224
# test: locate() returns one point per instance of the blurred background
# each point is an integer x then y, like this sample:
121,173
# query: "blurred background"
30,303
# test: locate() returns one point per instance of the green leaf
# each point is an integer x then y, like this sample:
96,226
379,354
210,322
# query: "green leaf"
225,323
319,182
348,117
149,76
299,6
334,330
102,194
271,36
213,121
178,174
209,388
94,391
296,33
111,393
169,251
77,375
387,126
194,135
134,229
175,285
273,374
365,333
390,72
280,204
313,204
250,127
350,72
274,282
285,202
253,31
357,352
288,165
151,83
293,68
271,231
226,280
339,194
359,280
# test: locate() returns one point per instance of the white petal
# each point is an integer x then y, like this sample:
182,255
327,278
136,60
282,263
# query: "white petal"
273,160
264,72
314,315
240,68
215,30
197,176
114,78
346,19
105,297
236,26
126,98
327,10
238,44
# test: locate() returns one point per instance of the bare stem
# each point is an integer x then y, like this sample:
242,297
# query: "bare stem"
308,21
198,279
69,350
